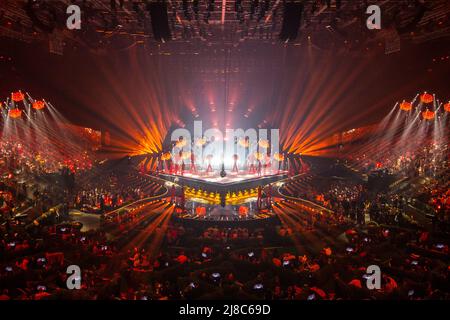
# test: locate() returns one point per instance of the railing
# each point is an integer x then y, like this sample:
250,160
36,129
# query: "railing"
152,198
304,201
147,199
45,215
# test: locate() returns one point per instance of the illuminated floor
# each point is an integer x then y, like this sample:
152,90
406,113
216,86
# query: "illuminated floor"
231,177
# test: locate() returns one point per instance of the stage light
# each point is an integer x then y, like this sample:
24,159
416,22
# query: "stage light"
259,156
180,143
406,106
244,142
447,107
15,113
263,143
426,98
17,96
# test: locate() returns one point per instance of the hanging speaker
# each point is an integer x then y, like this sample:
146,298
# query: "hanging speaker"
159,20
292,16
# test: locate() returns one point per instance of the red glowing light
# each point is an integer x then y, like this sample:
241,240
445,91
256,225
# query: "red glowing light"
38,105
428,115
259,156
264,143
278,156
17,96
447,106
15,113
426,98
406,106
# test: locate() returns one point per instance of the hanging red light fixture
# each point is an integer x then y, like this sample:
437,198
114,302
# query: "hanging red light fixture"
447,106
17,96
406,106
38,105
428,115
426,98
15,113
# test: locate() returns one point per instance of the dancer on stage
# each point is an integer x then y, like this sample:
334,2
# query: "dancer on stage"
209,158
251,163
235,167
193,167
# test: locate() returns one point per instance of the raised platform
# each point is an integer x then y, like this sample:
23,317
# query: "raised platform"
232,182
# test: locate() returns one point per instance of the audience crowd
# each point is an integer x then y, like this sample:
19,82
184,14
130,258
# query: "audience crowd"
324,255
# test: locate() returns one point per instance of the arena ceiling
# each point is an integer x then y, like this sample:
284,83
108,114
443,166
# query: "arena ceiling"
116,24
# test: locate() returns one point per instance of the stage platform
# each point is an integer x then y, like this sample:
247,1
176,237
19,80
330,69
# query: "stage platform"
232,182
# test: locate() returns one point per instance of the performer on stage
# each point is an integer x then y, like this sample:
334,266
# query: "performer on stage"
177,159
235,167
209,158
259,168
193,167
251,163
